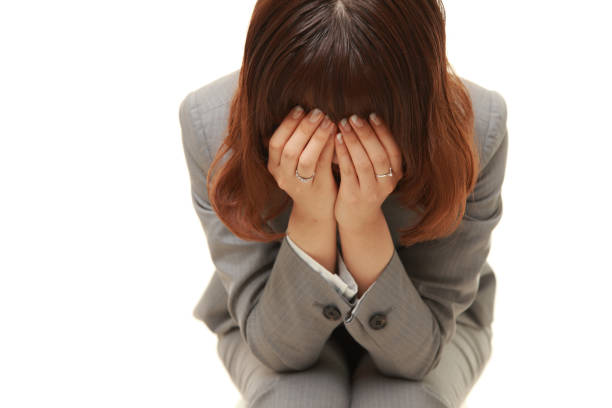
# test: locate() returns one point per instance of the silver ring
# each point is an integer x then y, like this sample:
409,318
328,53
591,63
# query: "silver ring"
303,179
389,174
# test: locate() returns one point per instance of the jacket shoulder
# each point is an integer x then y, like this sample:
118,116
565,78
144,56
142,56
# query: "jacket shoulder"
207,109
204,112
215,93
490,115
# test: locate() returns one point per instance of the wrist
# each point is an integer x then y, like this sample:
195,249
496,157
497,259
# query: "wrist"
316,237
363,224
304,215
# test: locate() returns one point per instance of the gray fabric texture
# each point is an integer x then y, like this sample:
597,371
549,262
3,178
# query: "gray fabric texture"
270,297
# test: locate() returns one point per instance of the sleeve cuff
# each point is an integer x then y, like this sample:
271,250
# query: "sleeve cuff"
343,282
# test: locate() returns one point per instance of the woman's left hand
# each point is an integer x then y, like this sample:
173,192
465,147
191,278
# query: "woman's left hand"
367,148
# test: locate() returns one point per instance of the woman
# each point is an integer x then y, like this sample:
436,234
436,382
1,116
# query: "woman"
348,183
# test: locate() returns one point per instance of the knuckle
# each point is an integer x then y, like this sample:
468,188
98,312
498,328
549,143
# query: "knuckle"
306,162
282,184
362,165
290,153
319,138
275,145
301,132
379,162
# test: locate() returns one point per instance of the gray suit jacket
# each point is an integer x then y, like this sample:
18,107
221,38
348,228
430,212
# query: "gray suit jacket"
285,312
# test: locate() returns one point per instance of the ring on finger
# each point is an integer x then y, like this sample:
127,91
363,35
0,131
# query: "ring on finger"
304,179
388,174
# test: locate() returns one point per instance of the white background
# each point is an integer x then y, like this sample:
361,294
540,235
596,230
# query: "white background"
102,255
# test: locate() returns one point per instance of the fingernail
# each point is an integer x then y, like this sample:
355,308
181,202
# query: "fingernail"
297,111
339,137
315,115
344,124
356,121
375,118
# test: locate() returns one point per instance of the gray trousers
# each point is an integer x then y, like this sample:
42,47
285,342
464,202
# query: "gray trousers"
345,375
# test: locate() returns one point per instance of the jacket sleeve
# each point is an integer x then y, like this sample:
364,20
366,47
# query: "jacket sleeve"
343,282
285,311
408,315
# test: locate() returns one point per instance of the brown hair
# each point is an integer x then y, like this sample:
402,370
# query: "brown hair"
345,57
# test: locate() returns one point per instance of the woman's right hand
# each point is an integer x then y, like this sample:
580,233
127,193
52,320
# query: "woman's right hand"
304,142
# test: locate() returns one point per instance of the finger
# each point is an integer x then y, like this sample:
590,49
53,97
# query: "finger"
345,163
386,138
297,141
325,160
373,146
282,134
307,163
361,161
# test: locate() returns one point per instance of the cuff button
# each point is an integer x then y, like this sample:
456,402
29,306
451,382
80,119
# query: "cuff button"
331,312
378,321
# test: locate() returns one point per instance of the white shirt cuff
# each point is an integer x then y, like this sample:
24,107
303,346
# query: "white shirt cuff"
343,282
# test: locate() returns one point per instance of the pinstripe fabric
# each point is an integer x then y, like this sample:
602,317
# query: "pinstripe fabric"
345,376
285,314
343,281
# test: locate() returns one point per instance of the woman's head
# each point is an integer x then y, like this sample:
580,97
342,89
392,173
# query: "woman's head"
343,57
351,57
